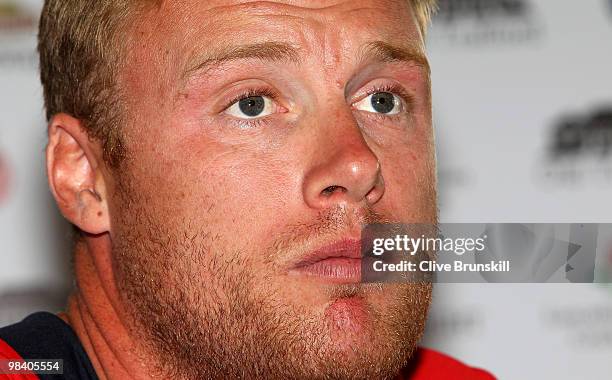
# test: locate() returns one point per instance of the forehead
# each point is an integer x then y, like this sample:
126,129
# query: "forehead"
214,11
192,25
167,40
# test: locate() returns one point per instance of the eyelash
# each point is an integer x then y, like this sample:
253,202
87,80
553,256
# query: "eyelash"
258,91
272,94
263,91
396,89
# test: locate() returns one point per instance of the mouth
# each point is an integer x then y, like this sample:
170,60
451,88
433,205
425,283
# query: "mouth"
339,262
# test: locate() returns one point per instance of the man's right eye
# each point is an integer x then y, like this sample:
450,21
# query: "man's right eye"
251,107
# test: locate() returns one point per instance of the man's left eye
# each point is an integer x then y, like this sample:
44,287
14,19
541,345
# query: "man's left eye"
386,103
251,107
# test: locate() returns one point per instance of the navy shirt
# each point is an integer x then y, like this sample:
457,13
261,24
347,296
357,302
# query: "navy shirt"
46,336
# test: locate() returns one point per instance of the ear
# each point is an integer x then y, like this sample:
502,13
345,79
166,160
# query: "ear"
75,173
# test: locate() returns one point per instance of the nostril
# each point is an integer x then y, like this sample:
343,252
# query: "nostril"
328,191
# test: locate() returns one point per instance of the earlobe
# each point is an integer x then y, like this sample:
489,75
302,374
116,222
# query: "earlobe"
92,212
75,176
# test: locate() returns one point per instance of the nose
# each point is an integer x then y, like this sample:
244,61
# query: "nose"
345,170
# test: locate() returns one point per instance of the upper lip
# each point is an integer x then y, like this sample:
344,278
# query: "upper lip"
344,248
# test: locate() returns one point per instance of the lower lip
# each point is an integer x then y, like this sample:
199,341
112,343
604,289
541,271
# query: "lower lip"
335,269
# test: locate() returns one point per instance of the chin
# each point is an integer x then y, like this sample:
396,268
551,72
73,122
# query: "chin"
363,354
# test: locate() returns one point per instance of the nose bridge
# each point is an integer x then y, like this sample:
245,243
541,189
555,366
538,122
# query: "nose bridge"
352,156
344,168
342,127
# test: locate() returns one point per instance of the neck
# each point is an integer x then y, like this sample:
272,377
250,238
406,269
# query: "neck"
96,315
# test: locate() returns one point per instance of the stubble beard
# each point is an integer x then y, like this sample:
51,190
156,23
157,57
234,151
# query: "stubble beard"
203,313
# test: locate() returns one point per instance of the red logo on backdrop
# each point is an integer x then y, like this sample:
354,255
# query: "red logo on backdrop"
15,18
4,179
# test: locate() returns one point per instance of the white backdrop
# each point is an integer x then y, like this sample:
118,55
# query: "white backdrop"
507,75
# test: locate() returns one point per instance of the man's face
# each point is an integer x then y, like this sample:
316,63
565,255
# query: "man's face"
263,136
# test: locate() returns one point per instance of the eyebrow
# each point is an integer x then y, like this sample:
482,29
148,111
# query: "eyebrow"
386,52
282,51
266,51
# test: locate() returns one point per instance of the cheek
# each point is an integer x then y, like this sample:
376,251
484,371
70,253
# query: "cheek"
230,190
410,180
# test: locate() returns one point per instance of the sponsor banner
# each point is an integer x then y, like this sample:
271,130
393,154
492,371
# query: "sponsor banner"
579,149
18,28
486,22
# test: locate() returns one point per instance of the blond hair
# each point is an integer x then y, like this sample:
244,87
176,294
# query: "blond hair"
80,53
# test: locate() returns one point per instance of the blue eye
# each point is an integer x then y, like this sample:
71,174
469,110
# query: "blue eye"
383,102
251,107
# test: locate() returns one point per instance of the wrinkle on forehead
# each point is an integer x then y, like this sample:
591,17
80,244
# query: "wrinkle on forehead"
177,13
259,4
322,30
